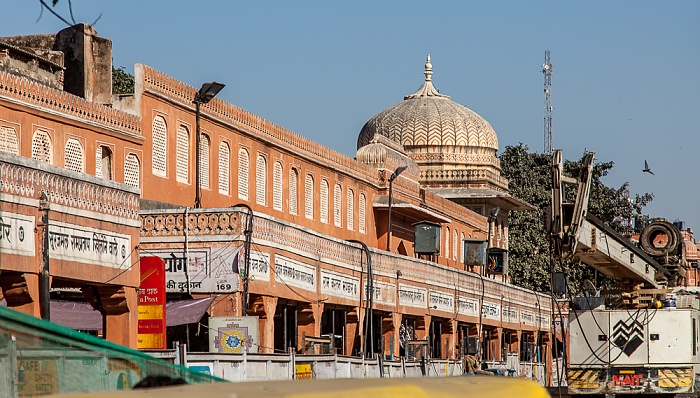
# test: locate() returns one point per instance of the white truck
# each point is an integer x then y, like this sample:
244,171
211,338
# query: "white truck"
644,340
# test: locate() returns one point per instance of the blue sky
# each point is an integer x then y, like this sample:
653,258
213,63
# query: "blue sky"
626,80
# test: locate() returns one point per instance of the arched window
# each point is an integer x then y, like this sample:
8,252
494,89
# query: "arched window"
160,144
324,201
261,180
103,162
337,205
277,187
447,242
243,174
309,197
454,245
351,210
182,155
132,173
41,146
362,211
8,140
224,161
293,198
73,156
204,160
461,248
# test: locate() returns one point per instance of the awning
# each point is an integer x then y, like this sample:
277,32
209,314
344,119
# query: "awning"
81,316
183,312
400,207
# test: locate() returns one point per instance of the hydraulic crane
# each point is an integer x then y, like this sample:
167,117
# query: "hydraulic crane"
632,346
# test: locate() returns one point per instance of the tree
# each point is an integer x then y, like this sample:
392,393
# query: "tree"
530,180
122,82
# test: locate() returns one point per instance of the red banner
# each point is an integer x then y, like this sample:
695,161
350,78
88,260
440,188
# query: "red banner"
151,329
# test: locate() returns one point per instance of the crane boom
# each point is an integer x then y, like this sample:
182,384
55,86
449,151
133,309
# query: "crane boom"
581,236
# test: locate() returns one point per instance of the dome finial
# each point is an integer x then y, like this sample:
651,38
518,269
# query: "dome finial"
428,69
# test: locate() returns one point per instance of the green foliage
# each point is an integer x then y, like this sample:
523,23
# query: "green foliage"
122,82
529,176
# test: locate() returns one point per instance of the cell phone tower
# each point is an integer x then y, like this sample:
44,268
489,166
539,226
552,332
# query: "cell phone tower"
547,71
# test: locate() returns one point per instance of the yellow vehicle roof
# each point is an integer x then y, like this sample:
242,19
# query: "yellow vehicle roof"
443,387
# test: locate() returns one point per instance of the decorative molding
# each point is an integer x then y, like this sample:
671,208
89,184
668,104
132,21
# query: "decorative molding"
226,225
27,91
65,188
172,88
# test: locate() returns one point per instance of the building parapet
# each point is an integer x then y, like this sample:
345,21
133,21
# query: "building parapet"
275,233
27,91
27,178
170,87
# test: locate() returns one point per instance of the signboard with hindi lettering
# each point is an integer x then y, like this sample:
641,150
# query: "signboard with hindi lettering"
259,266
491,310
384,293
295,273
151,324
89,245
412,296
510,314
527,317
204,270
442,301
467,306
17,234
339,285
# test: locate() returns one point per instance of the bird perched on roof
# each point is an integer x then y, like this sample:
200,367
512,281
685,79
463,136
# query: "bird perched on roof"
647,169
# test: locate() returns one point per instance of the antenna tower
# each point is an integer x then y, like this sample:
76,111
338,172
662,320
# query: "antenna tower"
547,71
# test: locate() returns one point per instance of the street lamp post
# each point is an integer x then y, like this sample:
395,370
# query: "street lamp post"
393,176
204,95
492,217
248,232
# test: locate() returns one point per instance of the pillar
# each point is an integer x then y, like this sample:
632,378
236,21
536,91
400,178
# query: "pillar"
268,328
352,331
397,318
21,291
121,315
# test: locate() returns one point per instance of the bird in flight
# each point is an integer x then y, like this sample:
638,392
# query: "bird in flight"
647,169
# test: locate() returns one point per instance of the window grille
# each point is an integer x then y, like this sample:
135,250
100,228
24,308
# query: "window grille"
8,140
362,213
277,187
337,205
461,248
243,174
183,154
41,146
351,211
260,180
224,175
73,156
159,152
447,242
309,197
103,162
132,171
324,201
293,197
454,245
204,159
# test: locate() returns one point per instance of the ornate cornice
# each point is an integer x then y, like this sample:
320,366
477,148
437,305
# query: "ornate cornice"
39,95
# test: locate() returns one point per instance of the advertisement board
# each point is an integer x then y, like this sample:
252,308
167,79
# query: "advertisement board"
234,334
151,325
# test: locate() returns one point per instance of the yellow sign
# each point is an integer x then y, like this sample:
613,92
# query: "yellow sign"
303,371
150,312
146,341
36,377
